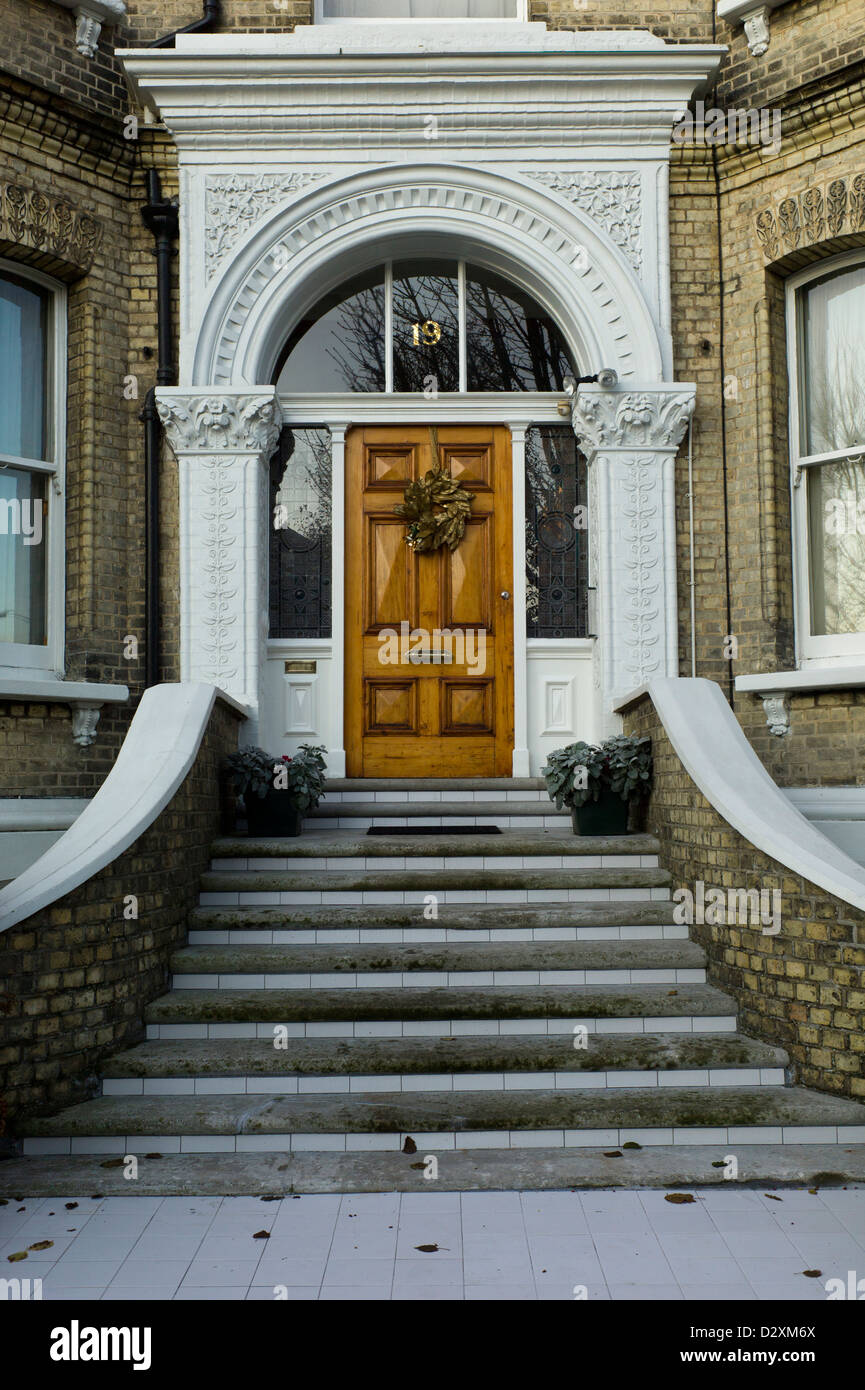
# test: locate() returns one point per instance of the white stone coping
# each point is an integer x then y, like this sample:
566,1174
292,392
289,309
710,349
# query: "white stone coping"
828,803
422,36
716,754
40,813
808,678
157,754
51,691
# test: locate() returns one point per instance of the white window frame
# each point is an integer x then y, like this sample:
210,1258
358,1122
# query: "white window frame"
520,17
811,649
18,658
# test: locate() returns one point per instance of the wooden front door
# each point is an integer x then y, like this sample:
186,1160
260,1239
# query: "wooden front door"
429,637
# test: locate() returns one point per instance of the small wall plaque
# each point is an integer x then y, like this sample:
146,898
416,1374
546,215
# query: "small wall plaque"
296,668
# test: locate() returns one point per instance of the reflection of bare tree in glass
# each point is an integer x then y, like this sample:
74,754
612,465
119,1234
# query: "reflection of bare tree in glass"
554,485
510,348
360,330
300,543
836,420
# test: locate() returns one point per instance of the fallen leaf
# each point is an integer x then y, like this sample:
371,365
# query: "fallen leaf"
671,992
719,1163
113,1163
427,1249
812,1273
409,1147
41,1245
261,1235
679,1198
3,1202
614,1153
153,1155
417,1165
631,1145
814,1191
19,1255
274,1198
772,1198
70,1206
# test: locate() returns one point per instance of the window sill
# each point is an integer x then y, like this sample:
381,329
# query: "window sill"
775,687
85,699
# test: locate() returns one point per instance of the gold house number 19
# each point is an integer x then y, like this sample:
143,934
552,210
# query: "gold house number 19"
426,333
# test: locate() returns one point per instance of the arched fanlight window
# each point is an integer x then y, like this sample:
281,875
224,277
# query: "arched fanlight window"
432,326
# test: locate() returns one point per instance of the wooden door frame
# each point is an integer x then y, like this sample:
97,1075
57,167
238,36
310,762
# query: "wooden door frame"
339,413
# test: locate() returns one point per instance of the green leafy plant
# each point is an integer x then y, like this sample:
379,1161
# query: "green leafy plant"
253,772
582,772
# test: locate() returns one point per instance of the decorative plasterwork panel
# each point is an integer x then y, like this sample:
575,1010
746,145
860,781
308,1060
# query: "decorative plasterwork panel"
50,225
234,423
631,419
497,212
236,202
816,214
612,198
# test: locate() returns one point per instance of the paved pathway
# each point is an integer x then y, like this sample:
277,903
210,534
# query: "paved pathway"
726,1244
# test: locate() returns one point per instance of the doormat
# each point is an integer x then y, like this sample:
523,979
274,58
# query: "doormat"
433,830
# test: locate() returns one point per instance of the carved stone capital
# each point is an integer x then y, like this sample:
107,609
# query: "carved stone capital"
653,418
245,422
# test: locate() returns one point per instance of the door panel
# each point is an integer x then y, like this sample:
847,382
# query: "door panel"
429,638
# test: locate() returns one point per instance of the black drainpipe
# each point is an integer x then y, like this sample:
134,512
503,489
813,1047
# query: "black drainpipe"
208,20
161,218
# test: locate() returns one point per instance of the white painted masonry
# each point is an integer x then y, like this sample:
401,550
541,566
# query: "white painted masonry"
308,157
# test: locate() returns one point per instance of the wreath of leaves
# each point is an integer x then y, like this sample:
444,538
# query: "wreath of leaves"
437,509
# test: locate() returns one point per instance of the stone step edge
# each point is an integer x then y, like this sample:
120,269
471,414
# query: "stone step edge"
301,1083
443,1141
438,1028
429,979
451,862
427,936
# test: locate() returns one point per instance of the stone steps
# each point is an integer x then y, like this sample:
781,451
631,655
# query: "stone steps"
601,1008
445,1121
341,993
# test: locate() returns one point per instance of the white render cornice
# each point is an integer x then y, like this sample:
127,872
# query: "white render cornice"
259,91
90,15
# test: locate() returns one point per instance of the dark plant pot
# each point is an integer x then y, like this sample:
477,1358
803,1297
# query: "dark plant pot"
272,816
606,816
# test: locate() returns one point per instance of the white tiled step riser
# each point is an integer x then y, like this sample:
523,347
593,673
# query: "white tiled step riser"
450,863
415,898
438,1028
423,935
448,1141
451,1082
539,821
488,797
428,979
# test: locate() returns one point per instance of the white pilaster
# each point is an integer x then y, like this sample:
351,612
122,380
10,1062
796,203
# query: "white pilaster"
520,766
630,437
336,755
223,442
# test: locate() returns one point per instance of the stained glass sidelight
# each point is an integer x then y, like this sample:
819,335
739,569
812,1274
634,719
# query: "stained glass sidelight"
556,537
300,536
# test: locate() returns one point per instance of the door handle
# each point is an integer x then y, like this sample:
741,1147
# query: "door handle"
504,594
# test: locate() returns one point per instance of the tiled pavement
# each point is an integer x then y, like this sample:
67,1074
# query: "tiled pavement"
619,1244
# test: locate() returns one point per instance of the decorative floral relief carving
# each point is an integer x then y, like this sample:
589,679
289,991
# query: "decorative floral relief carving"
642,559
247,423
233,203
812,216
219,584
631,420
31,218
611,198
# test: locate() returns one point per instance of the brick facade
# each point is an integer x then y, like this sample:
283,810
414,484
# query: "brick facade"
802,989
78,974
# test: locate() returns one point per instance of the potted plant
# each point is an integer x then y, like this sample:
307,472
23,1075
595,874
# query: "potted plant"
599,784
277,791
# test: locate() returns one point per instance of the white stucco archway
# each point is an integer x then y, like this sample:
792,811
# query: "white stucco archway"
528,233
